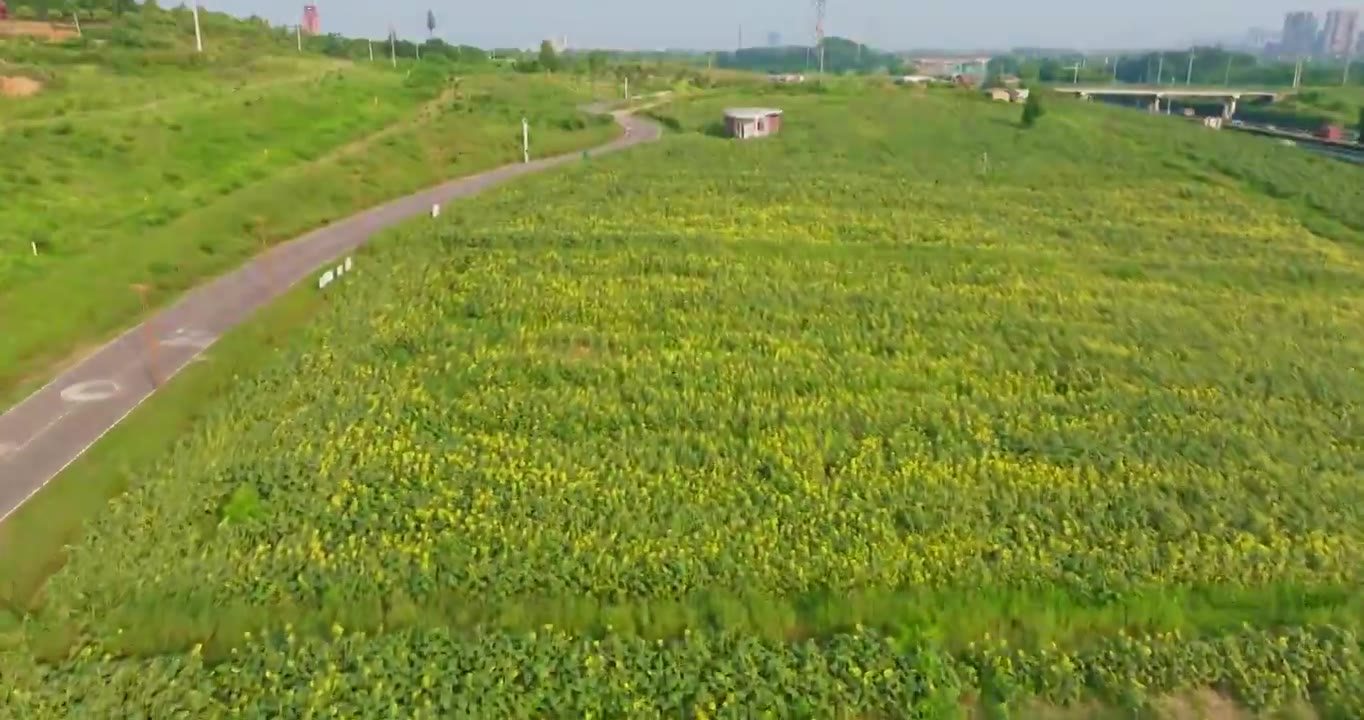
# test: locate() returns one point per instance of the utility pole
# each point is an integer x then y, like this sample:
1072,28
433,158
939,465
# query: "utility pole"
525,141
1345,76
198,37
371,50
1116,60
298,33
1160,70
821,10
1227,79
1188,79
393,45
76,15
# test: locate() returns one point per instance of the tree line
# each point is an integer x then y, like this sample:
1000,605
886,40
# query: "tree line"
841,55
56,9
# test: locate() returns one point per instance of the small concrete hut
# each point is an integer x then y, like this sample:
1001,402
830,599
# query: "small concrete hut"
749,123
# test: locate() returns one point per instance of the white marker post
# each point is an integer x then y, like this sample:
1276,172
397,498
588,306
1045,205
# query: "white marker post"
393,45
76,15
525,140
435,210
298,33
34,244
371,50
198,37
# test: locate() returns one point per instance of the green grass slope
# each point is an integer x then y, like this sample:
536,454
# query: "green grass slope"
906,412
160,167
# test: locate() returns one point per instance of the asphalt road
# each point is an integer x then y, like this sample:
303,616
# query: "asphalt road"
54,426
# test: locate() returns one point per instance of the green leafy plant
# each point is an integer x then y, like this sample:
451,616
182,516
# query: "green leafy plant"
1032,109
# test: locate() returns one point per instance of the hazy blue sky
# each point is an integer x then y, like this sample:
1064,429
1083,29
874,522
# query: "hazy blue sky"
714,23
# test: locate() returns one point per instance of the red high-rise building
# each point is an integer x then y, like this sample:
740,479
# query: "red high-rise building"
312,22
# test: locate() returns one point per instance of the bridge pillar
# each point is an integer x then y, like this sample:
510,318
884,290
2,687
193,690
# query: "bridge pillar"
1155,104
1229,109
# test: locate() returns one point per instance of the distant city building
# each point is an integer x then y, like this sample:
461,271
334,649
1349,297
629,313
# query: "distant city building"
1299,34
312,22
560,44
1258,39
774,39
1339,33
951,67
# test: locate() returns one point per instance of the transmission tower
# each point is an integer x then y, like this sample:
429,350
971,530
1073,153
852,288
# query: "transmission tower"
821,9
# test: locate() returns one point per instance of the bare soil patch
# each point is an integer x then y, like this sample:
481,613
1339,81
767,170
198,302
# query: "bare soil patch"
47,31
19,86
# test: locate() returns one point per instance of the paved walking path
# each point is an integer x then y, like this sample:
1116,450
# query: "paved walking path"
54,426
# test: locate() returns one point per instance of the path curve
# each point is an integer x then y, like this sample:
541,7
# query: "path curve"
54,426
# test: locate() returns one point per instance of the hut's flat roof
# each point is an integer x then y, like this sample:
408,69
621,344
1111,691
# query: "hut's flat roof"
751,113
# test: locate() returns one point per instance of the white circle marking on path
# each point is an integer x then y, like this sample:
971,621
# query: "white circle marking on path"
91,391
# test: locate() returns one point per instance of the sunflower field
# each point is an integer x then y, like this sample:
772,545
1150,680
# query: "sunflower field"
905,412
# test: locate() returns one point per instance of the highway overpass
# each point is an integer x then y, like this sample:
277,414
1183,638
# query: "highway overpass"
1228,95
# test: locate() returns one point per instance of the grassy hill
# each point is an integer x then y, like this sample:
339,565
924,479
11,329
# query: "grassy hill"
141,161
906,412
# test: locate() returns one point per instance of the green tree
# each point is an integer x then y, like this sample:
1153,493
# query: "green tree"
1049,70
430,23
549,59
1032,109
596,62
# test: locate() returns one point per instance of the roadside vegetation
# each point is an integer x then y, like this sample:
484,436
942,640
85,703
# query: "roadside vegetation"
905,412
140,161
1310,109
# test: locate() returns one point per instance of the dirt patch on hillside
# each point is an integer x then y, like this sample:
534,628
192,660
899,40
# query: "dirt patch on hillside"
19,86
1200,704
44,30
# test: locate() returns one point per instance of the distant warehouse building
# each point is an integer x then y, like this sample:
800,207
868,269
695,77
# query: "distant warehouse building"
748,123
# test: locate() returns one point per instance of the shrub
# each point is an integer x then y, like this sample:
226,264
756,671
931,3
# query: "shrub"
1032,110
